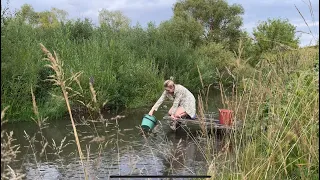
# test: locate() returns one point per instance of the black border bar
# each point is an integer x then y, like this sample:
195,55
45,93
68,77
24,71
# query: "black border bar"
160,176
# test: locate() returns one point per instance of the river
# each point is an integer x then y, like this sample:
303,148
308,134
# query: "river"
113,148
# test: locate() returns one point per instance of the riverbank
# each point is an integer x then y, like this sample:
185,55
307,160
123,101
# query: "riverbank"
274,92
279,138
125,73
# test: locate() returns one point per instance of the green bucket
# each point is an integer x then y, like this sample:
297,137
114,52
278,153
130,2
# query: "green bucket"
148,122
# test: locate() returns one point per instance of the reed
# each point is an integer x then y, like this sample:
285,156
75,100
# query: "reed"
9,151
128,67
59,79
278,106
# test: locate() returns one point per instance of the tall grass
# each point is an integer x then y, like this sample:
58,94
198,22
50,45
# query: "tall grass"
64,83
279,109
127,66
278,106
277,101
9,151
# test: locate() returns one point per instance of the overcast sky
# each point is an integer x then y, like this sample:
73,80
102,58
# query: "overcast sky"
144,11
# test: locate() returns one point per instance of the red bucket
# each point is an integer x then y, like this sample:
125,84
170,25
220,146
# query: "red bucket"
225,116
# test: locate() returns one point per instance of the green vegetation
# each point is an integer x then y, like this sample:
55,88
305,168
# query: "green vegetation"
278,105
128,63
275,92
221,22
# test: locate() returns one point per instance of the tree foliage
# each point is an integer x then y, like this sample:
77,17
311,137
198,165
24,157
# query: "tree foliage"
203,36
274,34
183,30
114,19
44,19
80,30
221,21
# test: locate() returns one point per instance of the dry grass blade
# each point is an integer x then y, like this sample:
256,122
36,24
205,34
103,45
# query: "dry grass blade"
201,116
3,112
35,108
56,65
200,76
14,175
93,93
75,76
305,22
8,152
310,8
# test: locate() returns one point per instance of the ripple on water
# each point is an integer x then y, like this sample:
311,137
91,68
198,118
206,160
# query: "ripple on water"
129,154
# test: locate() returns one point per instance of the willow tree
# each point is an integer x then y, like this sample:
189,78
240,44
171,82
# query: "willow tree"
274,34
44,19
221,21
114,19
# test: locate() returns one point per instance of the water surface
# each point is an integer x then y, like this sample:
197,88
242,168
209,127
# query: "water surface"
112,148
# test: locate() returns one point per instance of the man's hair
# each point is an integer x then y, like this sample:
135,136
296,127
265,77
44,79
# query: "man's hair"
168,83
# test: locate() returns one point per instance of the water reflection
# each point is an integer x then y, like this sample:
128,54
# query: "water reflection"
132,154
42,171
185,156
111,149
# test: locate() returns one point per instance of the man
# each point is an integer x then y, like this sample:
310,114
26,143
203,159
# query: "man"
184,103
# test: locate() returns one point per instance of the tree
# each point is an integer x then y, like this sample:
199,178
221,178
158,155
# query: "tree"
247,49
182,30
80,30
60,14
5,15
274,34
220,20
27,14
45,19
48,19
113,19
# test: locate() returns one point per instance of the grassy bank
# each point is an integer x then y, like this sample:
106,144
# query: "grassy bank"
279,107
275,92
277,104
128,63
120,76
128,66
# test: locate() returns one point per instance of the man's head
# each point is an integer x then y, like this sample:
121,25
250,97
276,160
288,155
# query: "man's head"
169,86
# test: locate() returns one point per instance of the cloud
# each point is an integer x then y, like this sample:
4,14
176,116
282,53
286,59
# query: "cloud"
256,11
300,23
249,26
307,40
136,5
144,11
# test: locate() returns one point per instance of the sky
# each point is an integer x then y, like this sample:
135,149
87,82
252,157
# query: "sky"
144,11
